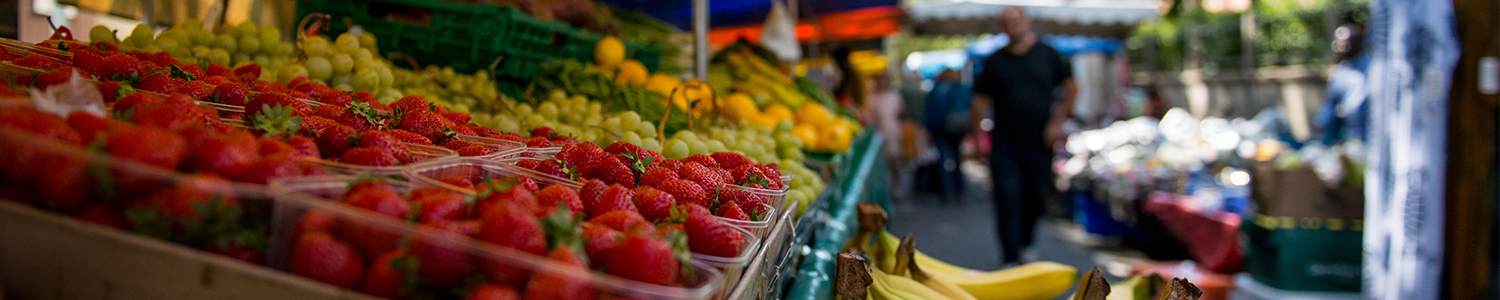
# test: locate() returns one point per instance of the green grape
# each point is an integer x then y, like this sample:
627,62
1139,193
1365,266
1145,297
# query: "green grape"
363,55
287,49
716,146
101,33
535,120
524,109
569,130
675,149
697,147
784,126
631,137
202,38
342,63
269,31
318,68
365,80
346,43
342,79
247,28
687,135
367,40
191,23
168,45
651,144
238,58
139,37
386,78
315,46
612,123
509,125
647,130
547,110
227,42
791,153
249,44
218,56
557,95
291,71
262,60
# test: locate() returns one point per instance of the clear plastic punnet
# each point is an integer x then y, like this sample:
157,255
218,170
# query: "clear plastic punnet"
733,267
446,262
757,228
476,170
501,148
419,153
541,153
777,198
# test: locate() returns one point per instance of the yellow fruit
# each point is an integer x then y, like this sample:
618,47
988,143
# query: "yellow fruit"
739,106
813,114
836,137
778,112
631,72
608,52
808,134
762,121
662,83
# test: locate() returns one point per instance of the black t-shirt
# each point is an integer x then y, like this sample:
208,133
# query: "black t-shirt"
1022,89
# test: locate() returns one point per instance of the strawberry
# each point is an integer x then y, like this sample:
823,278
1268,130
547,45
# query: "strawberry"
653,204
88,61
492,194
382,278
337,98
102,214
218,80
171,113
483,131
443,262
323,258
750,174
334,141
597,238
409,137
708,235
565,283
262,101
538,142
90,127
251,71
542,132
513,226
380,140
149,145
422,122
557,195
730,160
369,157
271,146
442,205
622,221
458,182
530,164
615,172
701,159
623,147
275,166
237,251
456,144
159,83
304,146
376,197
359,115
119,67
412,103
751,203
163,59
64,185
686,192
671,164
591,192
552,167
643,258
197,90
528,184
616,197
231,93
706,178
476,150
654,177
227,154
493,292
40,123
732,211
53,77
457,117
315,125
509,137
219,70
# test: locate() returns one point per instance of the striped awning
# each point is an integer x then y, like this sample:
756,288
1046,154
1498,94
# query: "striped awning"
169,12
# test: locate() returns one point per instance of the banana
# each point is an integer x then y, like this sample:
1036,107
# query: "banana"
1038,280
1136,288
906,288
906,266
929,264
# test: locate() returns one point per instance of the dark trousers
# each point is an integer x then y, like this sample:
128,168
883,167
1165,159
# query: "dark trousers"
1022,177
949,160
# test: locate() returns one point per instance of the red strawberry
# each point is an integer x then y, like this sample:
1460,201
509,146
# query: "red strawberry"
643,258
622,147
227,154
496,192
509,137
538,142
197,90
422,122
359,115
53,77
64,185
456,144
591,192
231,93
597,238
732,211
120,66
483,131
457,181
439,206
218,80
513,226
380,198
615,172
408,136
623,221
701,159
551,167
382,278
671,164
706,178
654,177
686,192
323,258
542,132
616,197
709,235
493,292
171,113
653,204
476,150
90,127
87,61
336,140
219,70
102,214
412,103
730,160
251,71
113,90
528,184
553,196
304,146
369,157
237,251
315,125
272,146
159,83
380,140
275,166
750,174
567,283
753,204
40,123
457,117
267,100
148,145
337,99
443,262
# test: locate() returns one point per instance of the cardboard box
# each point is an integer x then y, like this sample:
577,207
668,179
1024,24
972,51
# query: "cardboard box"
47,256
1299,193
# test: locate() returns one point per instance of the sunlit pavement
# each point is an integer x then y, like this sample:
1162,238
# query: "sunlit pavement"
963,233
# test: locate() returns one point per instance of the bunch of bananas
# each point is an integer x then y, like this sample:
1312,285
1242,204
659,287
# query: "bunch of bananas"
899,271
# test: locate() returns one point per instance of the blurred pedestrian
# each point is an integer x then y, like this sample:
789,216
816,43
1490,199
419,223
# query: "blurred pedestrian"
1344,113
1020,85
947,122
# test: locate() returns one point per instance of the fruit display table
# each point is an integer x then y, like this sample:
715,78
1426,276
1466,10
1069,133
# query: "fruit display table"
826,226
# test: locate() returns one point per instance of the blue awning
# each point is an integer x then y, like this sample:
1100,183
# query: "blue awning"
679,13
1065,44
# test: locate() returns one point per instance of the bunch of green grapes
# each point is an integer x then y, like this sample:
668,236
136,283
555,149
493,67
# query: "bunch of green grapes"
577,117
806,185
227,45
759,143
470,93
349,63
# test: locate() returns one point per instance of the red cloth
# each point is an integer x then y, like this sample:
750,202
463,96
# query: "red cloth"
1211,237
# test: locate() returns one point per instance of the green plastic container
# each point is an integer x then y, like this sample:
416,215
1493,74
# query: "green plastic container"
1299,257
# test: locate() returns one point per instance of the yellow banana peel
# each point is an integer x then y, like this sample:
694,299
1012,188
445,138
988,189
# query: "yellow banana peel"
1033,281
906,288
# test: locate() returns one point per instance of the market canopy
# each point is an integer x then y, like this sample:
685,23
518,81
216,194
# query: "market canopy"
1092,18
725,13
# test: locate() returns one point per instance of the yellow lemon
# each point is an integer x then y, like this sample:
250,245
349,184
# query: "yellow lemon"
739,106
631,72
836,137
813,114
762,121
778,112
609,51
662,83
808,134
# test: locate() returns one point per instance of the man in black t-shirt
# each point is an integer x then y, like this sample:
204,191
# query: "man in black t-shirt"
1031,90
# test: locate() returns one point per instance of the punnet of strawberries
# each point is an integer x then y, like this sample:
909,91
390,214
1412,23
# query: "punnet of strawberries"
598,228
705,180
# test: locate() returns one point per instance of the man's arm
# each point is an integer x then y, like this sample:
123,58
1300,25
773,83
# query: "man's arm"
977,112
1061,113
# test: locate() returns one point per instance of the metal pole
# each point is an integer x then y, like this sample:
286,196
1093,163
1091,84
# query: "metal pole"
700,39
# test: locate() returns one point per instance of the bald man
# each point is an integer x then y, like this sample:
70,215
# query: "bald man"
1028,87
